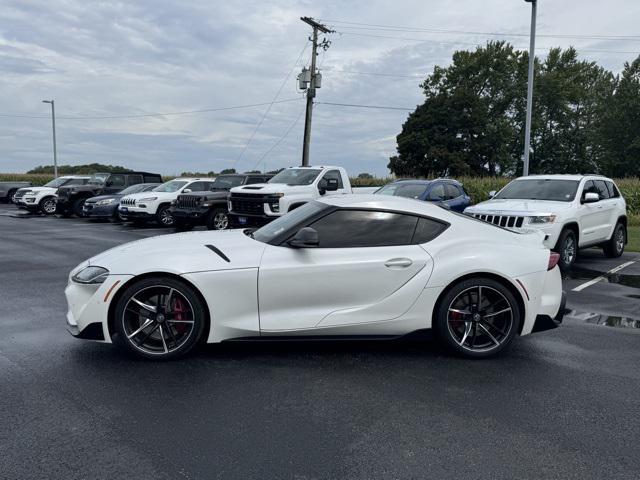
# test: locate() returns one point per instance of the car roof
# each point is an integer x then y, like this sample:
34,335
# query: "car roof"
564,176
193,179
424,181
385,202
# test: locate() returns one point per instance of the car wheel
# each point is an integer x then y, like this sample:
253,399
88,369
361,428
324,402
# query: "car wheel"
218,219
164,216
615,246
77,207
478,318
567,247
48,205
11,195
159,318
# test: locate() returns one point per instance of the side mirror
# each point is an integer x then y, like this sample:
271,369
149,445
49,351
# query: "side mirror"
591,197
492,193
332,185
109,183
187,190
306,237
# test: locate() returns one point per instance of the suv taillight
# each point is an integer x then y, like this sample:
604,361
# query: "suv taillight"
554,258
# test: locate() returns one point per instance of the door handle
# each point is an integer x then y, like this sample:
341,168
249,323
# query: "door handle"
398,263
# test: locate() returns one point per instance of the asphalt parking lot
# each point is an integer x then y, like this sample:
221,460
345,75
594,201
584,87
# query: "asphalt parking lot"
559,404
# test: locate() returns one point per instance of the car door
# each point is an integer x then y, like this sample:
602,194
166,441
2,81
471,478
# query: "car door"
436,192
591,216
607,207
453,195
114,184
332,174
361,272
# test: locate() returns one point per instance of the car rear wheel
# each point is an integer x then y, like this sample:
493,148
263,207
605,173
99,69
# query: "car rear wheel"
48,205
567,247
478,318
615,246
218,219
159,318
164,216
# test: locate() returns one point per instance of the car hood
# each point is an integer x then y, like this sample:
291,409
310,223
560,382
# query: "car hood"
181,253
518,207
40,189
159,195
269,188
117,196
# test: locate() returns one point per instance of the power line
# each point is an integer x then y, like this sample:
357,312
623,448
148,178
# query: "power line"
357,105
266,112
476,44
397,28
157,114
377,74
285,135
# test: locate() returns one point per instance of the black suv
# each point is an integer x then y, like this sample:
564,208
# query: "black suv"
210,208
71,199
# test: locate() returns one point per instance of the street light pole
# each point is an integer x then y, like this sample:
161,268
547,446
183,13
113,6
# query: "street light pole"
532,56
53,122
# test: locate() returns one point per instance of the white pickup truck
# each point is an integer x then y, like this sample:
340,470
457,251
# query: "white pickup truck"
258,204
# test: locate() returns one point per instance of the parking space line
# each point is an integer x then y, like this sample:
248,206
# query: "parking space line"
602,277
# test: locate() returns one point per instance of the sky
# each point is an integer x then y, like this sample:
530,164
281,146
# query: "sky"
137,58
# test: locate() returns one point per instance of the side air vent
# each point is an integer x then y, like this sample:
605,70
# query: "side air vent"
218,252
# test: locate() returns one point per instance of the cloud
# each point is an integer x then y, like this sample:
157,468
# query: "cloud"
114,58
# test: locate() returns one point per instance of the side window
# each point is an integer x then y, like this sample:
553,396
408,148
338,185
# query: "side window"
135,179
361,228
602,189
437,192
427,230
117,181
589,187
332,174
451,191
613,191
251,180
76,181
198,186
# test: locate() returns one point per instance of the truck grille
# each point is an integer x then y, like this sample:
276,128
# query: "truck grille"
128,201
501,220
247,203
188,201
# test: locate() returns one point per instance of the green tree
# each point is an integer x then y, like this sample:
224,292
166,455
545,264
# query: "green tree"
80,169
228,170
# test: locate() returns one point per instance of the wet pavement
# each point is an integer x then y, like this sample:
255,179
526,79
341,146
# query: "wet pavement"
559,404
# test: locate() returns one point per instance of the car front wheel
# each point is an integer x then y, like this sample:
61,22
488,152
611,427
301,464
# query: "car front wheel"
567,247
615,246
48,205
159,318
477,318
218,220
164,216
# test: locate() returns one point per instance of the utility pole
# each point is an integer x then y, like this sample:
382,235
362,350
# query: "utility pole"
532,57
53,122
311,80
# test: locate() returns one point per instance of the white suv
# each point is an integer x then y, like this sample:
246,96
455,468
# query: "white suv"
43,198
154,205
573,211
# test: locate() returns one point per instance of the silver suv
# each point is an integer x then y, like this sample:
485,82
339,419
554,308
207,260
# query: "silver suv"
573,211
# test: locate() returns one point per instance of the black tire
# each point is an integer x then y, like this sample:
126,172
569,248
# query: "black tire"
615,245
182,225
487,329
178,335
164,217
77,207
10,195
218,219
48,205
567,247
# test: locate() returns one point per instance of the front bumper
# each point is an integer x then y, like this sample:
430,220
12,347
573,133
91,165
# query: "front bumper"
189,213
135,213
237,220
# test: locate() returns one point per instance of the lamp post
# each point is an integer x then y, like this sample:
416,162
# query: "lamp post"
532,55
53,122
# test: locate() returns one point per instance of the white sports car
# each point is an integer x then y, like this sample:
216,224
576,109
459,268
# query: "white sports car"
344,266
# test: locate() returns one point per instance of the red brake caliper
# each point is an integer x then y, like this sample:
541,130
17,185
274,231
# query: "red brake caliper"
456,318
179,309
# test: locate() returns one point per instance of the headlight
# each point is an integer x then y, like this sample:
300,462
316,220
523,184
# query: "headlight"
28,192
542,219
91,274
148,199
105,202
278,194
275,207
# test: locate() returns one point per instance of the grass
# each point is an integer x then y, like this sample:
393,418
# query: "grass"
633,233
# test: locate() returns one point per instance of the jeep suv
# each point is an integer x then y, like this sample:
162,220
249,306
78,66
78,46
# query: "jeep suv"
210,208
573,211
71,198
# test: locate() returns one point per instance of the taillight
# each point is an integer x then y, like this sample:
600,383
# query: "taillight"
554,258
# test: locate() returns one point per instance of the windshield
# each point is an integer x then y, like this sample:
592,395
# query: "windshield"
407,190
227,182
98,178
170,186
540,189
272,230
58,182
296,176
141,187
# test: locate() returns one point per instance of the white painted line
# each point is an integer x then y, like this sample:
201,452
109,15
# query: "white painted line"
602,277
